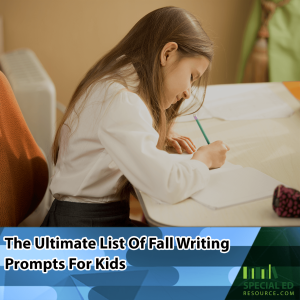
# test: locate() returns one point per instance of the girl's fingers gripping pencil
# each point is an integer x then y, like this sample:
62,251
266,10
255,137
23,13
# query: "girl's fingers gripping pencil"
207,140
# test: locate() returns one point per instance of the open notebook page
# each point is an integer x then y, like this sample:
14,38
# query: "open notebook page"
225,168
235,186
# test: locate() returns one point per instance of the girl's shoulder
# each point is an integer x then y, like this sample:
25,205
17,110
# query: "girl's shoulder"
114,90
108,88
113,94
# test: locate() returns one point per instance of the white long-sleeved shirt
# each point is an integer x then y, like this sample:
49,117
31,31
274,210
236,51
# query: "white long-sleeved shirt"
114,136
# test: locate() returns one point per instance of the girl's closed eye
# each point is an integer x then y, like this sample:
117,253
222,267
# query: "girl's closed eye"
192,78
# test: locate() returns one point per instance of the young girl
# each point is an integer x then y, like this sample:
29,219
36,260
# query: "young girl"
118,125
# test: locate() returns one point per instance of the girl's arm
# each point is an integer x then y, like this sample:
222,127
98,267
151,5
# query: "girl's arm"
127,134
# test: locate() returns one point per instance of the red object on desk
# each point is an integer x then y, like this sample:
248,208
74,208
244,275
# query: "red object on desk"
286,202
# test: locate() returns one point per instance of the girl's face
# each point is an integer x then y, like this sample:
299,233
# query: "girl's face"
179,76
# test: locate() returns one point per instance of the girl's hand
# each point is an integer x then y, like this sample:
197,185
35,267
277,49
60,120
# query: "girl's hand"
213,155
179,142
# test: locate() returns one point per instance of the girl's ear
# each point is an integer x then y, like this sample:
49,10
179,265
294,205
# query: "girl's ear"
167,52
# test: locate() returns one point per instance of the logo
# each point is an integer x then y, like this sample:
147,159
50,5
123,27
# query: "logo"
265,281
259,273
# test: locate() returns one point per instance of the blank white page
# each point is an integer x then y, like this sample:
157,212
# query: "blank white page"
235,187
228,166
247,102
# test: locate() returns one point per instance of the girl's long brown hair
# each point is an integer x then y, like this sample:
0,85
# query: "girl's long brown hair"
142,47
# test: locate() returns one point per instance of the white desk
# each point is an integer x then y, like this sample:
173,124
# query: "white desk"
270,145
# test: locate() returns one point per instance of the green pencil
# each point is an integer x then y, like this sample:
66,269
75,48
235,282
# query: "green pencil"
195,117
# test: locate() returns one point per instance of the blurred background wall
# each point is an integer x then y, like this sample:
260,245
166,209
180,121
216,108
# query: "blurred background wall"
69,36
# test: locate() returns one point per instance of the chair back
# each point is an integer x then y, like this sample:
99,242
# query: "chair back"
23,167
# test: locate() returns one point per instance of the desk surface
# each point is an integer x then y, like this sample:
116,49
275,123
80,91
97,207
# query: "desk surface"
269,145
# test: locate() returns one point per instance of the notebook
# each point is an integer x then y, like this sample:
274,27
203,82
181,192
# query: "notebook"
232,184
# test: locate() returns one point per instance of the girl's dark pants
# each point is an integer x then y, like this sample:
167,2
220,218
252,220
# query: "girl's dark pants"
73,214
